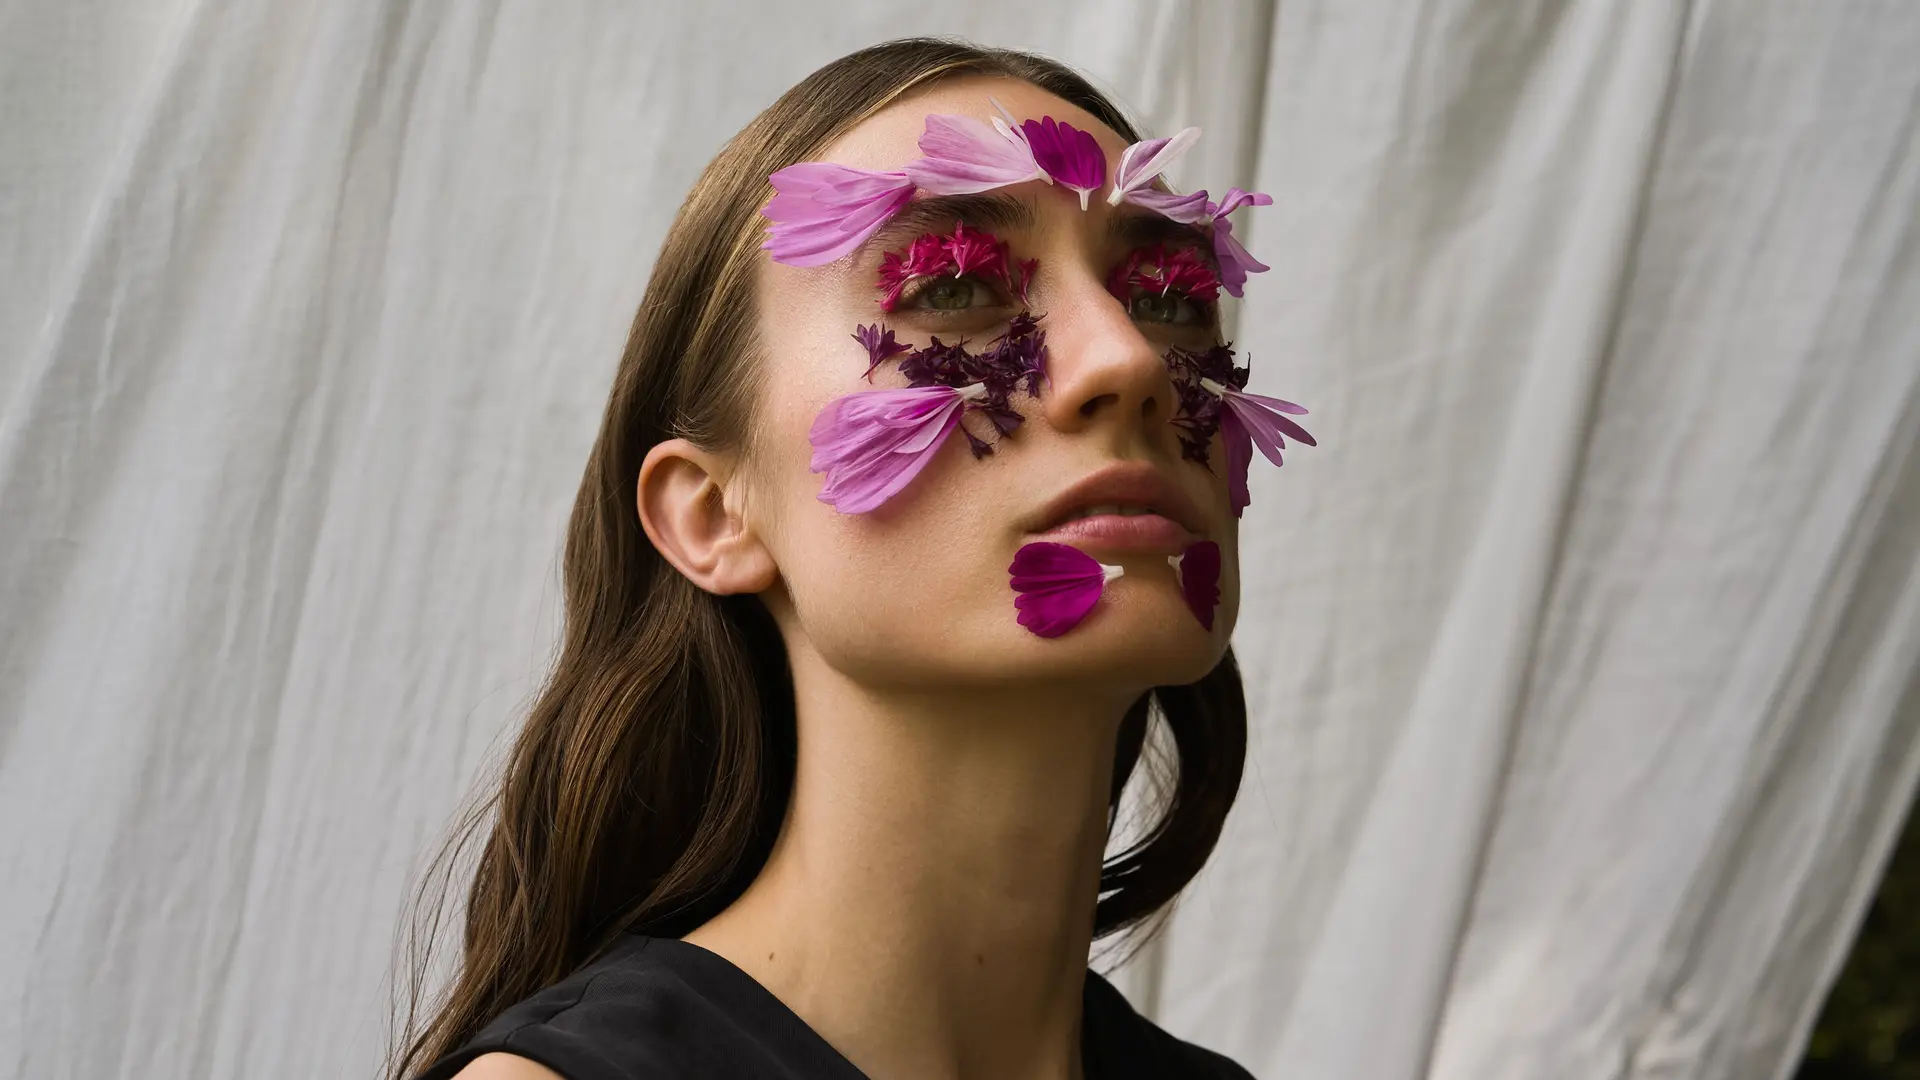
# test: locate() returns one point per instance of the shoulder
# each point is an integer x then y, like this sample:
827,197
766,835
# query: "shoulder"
1124,1045
655,1007
500,1065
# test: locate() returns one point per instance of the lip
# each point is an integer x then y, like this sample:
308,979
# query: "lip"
1174,523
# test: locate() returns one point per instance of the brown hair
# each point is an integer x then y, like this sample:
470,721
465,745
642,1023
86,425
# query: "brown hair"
652,775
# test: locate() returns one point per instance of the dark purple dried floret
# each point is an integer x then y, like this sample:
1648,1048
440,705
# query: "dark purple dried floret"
1015,358
1198,412
880,346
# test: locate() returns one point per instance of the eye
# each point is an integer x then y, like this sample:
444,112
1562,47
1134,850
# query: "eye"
1168,309
951,294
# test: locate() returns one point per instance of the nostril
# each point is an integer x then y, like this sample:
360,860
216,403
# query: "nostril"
1093,405
1149,407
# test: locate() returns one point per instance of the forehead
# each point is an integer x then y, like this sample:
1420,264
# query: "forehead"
890,138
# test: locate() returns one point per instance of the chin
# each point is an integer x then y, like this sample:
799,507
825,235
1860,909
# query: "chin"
1140,637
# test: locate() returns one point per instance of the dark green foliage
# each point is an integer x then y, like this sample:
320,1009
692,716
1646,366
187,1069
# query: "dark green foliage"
1870,1028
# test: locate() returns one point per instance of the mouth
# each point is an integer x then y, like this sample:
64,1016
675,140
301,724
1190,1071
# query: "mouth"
1130,507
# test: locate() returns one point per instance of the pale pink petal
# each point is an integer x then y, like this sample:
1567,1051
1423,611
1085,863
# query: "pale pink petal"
822,211
1191,209
1056,586
1234,259
1146,159
964,155
1236,262
1264,421
1234,199
873,443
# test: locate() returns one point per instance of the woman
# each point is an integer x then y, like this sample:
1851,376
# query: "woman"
914,501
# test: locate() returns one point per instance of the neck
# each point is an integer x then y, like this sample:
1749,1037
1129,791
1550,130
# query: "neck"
929,903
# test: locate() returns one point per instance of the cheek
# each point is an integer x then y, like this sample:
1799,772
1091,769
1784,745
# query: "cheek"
906,590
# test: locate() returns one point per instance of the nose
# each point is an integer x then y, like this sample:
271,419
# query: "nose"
1102,371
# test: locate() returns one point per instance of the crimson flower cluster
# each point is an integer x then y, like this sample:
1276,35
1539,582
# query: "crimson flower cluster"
1199,410
1158,269
964,251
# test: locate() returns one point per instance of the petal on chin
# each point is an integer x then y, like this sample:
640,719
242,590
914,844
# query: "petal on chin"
1056,587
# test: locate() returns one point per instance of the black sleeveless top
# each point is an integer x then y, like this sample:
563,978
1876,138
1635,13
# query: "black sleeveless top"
662,1009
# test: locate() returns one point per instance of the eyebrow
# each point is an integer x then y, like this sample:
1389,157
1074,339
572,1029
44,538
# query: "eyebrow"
988,210
999,210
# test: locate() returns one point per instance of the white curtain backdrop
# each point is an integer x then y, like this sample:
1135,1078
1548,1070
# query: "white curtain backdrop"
1582,652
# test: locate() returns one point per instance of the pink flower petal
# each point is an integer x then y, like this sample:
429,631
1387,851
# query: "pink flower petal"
1235,261
1239,447
1234,199
1264,422
1199,570
1071,156
964,155
873,442
822,211
1146,159
1191,209
1057,586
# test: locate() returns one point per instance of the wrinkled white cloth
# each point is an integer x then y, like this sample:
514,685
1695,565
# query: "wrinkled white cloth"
1581,652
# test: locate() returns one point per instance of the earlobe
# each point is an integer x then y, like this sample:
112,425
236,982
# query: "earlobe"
683,507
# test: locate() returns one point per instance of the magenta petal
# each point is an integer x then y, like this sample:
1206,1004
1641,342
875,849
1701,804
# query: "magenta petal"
872,443
1200,580
1191,209
1071,156
1239,447
1056,585
964,155
822,211
1263,420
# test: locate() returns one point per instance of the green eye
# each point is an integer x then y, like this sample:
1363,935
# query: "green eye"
948,294
1168,308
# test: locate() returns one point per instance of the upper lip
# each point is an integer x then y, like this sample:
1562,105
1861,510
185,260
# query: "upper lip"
1127,484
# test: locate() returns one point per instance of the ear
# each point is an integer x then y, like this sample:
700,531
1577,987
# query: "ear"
685,511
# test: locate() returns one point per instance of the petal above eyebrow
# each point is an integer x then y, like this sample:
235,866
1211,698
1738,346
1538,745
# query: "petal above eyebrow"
1235,198
1187,209
1070,156
822,211
1146,159
964,155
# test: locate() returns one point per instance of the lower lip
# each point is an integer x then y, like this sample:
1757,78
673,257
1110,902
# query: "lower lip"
1123,532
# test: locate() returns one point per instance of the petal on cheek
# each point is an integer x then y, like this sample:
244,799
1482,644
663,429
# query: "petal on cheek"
871,444
1199,571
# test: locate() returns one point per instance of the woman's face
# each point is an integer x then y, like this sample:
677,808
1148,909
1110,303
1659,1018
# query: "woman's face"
916,592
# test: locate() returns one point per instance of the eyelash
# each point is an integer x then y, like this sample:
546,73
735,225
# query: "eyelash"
919,288
1208,312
